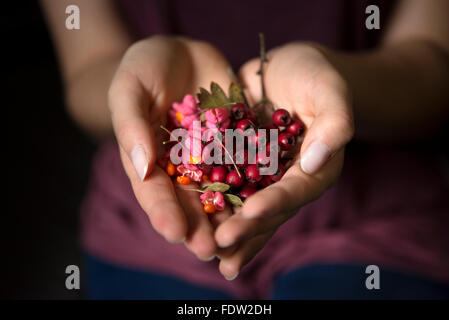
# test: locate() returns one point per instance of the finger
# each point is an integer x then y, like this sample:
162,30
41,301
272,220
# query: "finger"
129,106
157,198
200,237
331,129
251,80
220,216
231,265
239,228
294,190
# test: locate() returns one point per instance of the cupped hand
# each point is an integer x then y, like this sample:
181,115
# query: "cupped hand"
299,78
152,75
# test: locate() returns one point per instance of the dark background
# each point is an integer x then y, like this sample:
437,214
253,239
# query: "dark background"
47,160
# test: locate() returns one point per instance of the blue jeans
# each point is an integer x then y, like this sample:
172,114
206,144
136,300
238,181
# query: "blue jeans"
339,281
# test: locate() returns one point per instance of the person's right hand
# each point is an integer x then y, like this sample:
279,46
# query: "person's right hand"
153,74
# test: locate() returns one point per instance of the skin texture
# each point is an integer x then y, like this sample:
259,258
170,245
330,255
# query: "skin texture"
328,90
140,94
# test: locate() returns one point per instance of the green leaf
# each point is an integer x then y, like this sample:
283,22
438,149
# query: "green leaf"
218,94
202,117
213,99
206,99
233,199
235,93
218,186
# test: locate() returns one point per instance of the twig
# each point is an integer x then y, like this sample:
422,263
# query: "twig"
263,59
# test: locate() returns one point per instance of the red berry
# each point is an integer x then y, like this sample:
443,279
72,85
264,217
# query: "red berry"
263,158
205,168
281,117
244,125
239,156
272,147
295,127
252,173
286,141
259,139
265,182
250,115
218,174
268,127
234,180
239,111
247,191
279,173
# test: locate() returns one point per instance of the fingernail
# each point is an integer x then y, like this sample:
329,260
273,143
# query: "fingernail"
226,243
176,241
315,156
207,259
140,162
232,278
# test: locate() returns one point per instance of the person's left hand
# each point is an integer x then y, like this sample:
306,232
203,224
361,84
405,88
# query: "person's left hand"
299,78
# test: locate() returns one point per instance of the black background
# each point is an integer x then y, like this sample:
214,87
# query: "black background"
46,162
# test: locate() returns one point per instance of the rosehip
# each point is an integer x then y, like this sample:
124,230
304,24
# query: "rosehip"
247,191
252,173
218,174
286,141
209,208
244,125
295,127
281,117
239,111
234,180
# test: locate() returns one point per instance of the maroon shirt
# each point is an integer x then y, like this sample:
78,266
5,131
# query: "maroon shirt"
389,208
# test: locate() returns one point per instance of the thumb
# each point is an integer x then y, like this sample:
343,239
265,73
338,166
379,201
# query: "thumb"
129,106
331,129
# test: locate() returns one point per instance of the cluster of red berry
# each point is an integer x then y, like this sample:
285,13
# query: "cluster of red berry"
235,180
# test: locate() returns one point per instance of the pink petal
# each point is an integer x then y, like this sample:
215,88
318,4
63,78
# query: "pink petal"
207,197
182,169
187,121
197,175
224,125
219,201
210,116
187,107
222,114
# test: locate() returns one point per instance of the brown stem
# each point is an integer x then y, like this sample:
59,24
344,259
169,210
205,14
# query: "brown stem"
263,59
